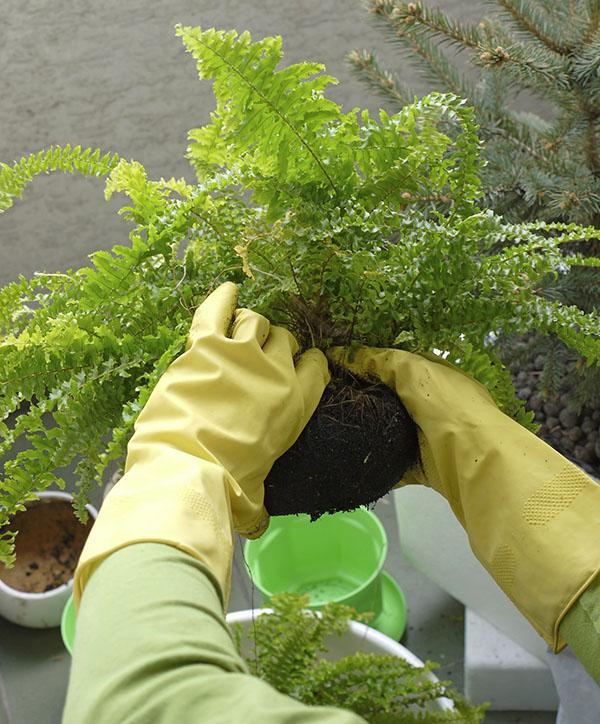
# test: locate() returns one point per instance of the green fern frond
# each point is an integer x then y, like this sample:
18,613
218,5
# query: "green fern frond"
122,430
587,391
556,359
576,329
278,115
87,162
486,367
397,152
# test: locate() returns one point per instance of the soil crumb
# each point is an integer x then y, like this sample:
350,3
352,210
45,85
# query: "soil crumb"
48,545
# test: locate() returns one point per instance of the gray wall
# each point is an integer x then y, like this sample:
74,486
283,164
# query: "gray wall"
110,73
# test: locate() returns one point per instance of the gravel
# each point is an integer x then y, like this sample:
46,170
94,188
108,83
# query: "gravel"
575,433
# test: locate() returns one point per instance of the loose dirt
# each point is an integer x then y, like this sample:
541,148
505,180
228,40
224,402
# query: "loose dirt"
48,544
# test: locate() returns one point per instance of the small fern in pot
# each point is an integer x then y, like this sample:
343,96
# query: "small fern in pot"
298,652
330,222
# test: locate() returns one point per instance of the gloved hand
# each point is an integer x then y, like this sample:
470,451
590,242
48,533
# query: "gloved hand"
533,518
216,421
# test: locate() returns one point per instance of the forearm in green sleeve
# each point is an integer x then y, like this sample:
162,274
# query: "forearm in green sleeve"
581,629
152,646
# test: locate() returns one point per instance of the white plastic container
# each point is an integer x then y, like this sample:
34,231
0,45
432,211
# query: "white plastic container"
435,543
359,638
38,610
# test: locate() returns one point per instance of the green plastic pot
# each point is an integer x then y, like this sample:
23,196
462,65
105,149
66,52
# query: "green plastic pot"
338,558
67,624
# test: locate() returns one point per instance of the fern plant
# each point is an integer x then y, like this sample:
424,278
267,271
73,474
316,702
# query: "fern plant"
330,222
286,649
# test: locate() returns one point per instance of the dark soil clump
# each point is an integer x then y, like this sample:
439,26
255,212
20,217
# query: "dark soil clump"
356,447
48,545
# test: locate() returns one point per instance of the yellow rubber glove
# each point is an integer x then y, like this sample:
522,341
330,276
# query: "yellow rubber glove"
218,418
533,518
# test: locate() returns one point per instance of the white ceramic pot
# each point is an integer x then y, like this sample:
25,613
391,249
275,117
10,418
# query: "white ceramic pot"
38,610
358,638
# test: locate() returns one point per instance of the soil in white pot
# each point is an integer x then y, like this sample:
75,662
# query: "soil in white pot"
48,545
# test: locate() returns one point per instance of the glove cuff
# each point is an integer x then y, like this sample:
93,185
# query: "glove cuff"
182,503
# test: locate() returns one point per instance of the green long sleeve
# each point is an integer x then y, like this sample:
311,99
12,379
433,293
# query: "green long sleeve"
581,629
152,646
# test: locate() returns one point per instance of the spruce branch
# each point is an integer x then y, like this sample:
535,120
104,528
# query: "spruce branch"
593,9
586,62
591,142
435,65
419,18
426,56
536,69
365,65
533,23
